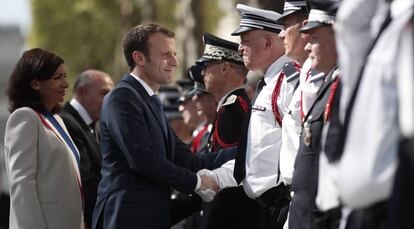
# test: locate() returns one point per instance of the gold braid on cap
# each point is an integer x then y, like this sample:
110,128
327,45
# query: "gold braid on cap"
220,53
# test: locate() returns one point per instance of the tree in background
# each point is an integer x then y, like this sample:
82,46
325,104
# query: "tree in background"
89,33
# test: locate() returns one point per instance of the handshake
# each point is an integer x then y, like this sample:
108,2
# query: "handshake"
209,185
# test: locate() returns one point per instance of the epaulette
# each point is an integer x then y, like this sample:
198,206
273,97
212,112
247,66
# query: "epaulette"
316,76
336,74
290,71
230,100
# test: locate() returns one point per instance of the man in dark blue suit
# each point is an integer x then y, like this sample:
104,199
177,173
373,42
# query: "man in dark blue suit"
141,156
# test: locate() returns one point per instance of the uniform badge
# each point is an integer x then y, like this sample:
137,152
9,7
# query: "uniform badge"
288,111
230,100
307,134
258,108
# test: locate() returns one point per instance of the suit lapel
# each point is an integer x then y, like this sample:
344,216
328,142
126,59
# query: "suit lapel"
171,142
141,90
72,111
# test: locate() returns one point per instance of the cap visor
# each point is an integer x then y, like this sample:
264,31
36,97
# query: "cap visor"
202,60
310,25
184,98
197,91
241,30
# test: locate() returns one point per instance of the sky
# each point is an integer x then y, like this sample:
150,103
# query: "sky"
16,12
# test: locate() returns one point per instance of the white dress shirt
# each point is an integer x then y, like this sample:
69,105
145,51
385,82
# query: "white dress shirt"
357,25
81,111
310,86
263,138
328,196
367,167
145,85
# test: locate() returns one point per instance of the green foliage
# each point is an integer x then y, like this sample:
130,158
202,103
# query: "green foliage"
83,32
89,33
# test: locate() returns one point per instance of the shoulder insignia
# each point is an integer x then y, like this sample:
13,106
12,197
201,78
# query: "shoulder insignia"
230,100
291,73
317,77
336,74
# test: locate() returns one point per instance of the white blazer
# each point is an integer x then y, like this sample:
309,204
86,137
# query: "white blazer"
44,189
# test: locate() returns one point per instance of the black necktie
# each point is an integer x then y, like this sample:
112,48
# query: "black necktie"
259,88
92,126
157,104
239,172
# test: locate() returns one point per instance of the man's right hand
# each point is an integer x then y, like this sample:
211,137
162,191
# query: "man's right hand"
209,185
209,181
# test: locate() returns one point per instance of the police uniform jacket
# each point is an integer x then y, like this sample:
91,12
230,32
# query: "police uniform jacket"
305,175
232,110
263,138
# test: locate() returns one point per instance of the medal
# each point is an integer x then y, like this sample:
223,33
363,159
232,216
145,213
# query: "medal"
307,135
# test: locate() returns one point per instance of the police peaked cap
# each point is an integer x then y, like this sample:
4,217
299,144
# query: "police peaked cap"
219,49
195,74
257,19
292,6
322,13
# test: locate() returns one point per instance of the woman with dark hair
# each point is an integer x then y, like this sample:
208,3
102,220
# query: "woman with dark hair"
41,160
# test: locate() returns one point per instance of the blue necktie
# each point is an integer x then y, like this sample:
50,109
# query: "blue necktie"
157,104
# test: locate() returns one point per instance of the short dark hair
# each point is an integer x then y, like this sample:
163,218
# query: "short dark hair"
36,64
137,40
240,69
301,14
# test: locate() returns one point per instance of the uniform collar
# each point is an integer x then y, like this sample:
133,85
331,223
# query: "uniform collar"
275,67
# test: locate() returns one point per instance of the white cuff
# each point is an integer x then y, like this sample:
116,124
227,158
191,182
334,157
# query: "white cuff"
198,183
225,175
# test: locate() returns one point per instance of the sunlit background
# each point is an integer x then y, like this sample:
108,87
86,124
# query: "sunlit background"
89,33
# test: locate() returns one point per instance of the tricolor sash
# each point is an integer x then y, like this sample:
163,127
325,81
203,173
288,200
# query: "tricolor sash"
51,123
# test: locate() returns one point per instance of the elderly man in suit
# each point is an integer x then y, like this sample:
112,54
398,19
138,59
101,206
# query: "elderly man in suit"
79,116
142,158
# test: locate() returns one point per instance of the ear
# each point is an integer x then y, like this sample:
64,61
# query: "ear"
35,84
225,67
80,91
268,41
139,58
304,22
